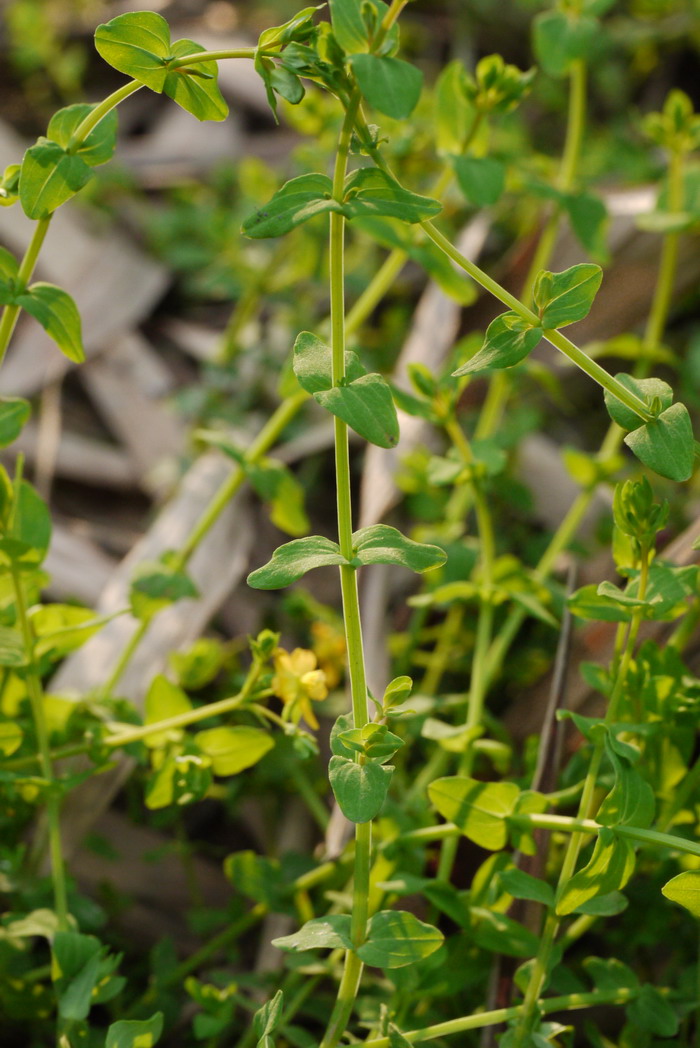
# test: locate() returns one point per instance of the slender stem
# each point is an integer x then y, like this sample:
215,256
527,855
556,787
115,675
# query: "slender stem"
36,698
180,720
352,971
217,56
559,341
484,628
541,966
567,1002
100,111
24,275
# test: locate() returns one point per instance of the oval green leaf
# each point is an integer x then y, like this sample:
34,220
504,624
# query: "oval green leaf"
14,412
563,298
685,890
138,44
58,315
320,933
292,560
396,938
389,84
478,809
382,544
360,789
49,176
367,406
296,202
233,749
666,444
509,339
194,87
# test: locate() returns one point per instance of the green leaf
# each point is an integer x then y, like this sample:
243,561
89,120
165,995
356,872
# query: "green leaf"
11,736
393,233
49,176
647,389
296,202
631,800
610,867
500,934
523,885
31,527
76,963
267,1019
348,25
482,179
588,603
278,486
58,315
135,1033
454,112
14,412
589,219
685,890
271,480
369,191
666,444
478,809
180,779
312,364
292,560
164,700
561,38
278,35
563,298
367,406
610,974
9,266
137,44
390,85
320,933
360,789
233,749
63,628
381,544
651,1011
396,938
99,145
155,585
509,339
194,87
256,877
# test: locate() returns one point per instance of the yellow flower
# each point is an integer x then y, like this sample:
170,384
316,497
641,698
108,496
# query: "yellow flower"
329,648
297,681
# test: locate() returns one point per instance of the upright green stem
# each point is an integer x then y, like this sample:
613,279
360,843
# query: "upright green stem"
36,698
540,968
11,313
352,972
484,628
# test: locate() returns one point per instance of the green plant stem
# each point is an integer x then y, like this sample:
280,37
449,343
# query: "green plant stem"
310,797
440,655
100,111
11,313
566,179
36,698
500,384
567,1002
563,824
559,341
352,971
540,969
